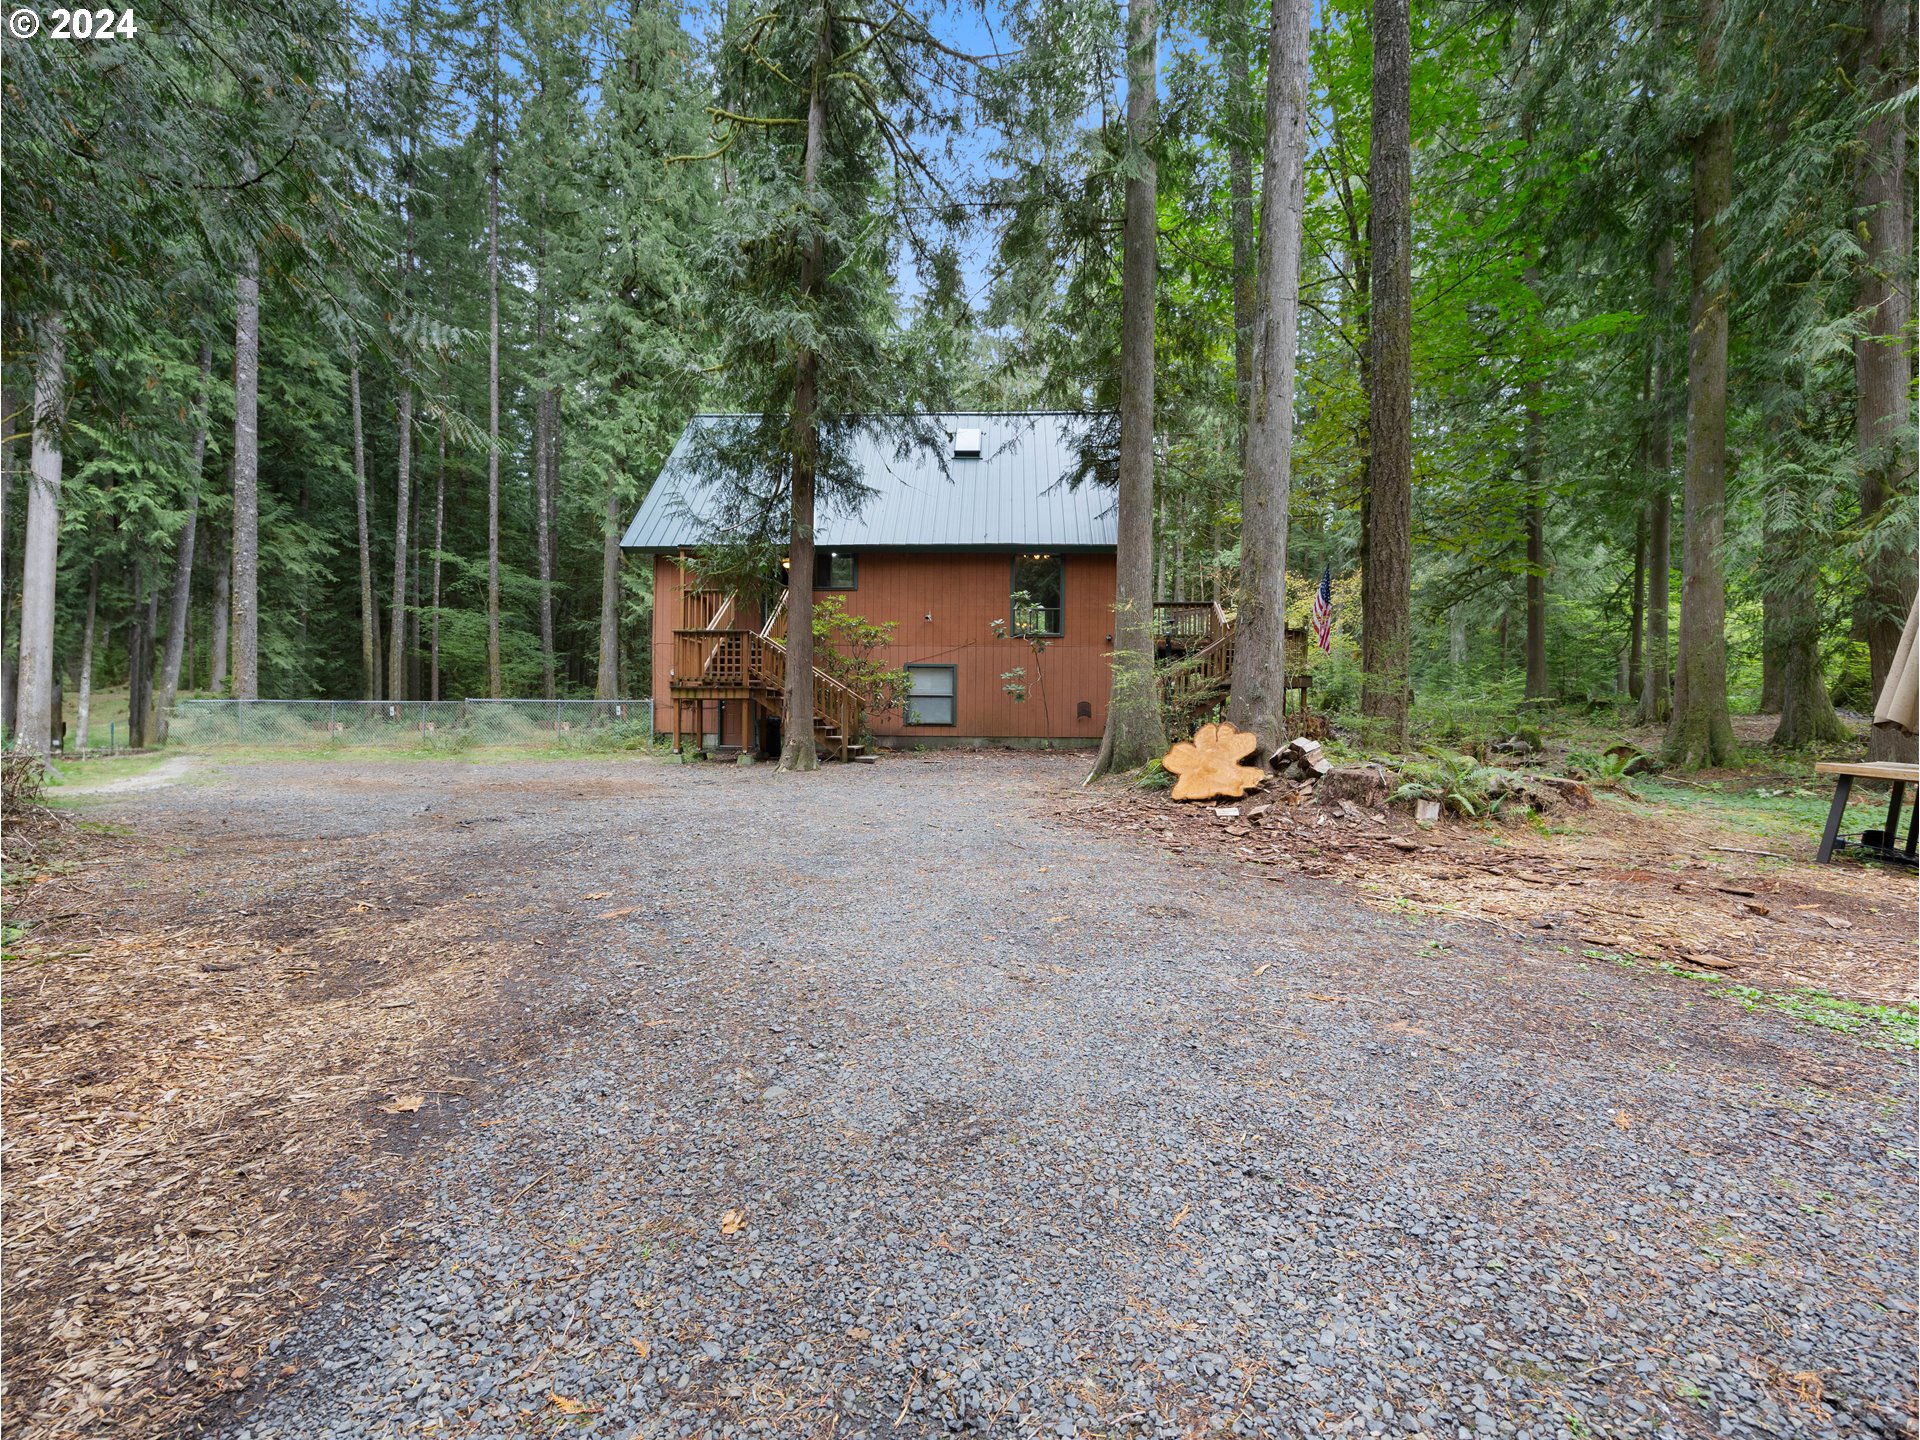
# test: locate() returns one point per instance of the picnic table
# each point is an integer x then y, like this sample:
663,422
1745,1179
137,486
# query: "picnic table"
1883,843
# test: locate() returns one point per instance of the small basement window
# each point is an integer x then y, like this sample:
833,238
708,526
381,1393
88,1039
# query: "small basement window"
1039,595
835,571
930,694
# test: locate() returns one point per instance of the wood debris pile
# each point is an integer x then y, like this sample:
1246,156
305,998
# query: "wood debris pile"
1613,878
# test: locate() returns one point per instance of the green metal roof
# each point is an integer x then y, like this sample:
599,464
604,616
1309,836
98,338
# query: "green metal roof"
1013,496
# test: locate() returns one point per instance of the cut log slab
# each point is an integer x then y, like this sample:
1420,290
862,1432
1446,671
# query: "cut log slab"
1209,765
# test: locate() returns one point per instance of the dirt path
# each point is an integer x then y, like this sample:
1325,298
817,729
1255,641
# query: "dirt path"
175,767
882,1102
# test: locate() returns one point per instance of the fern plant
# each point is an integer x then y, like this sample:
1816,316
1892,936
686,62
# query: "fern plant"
1459,782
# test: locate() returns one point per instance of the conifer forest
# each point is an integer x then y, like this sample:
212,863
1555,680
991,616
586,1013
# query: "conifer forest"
1573,341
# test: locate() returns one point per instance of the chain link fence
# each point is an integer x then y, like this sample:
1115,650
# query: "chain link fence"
413,724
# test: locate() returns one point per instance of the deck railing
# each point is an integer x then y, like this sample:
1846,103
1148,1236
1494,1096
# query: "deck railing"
705,609
838,704
747,660
1187,623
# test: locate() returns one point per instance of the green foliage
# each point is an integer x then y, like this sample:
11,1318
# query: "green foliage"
1027,625
654,221
847,646
1154,776
1459,782
1606,770
1850,677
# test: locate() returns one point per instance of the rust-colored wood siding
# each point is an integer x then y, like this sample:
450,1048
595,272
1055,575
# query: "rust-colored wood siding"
943,605
729,722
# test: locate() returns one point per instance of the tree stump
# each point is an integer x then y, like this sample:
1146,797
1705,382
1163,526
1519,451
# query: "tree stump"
1209,765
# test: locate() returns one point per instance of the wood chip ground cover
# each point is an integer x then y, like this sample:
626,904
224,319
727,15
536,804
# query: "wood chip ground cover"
222,1050
1626,878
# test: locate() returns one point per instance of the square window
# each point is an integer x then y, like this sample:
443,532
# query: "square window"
1039,594
835,571
930,694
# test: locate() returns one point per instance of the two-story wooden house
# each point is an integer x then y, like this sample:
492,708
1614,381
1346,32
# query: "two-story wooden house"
941,557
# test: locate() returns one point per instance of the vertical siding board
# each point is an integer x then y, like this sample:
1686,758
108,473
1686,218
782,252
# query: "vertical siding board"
965,592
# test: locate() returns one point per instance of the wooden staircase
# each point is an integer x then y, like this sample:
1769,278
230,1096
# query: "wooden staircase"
717,659
1193,644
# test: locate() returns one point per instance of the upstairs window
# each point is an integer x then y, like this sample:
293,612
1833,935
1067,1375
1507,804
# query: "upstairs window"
1039,595
835,571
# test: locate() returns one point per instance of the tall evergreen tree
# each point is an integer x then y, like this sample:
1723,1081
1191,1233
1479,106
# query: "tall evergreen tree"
1386,648
1135,732
1700,732
1258,696
1884,349
815,100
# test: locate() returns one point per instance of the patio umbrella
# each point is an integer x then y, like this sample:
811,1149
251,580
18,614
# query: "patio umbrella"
1900,696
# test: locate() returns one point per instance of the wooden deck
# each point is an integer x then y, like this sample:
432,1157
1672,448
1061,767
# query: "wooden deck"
1194,639
720,661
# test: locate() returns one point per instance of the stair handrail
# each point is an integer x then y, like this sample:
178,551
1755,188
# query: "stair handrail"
774,616
848,702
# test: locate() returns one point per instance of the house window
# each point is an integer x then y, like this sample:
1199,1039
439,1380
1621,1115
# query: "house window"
930,693
1039,594
835,571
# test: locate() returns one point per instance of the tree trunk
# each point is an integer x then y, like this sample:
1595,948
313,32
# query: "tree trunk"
1258,697
543,409
218,626
246,482
402,508
439,535
1882,354
40,560
1457,640
543,540
139,658
1656,681
1637,621
1385,688
1806,709
607,678
415,682
1772,650
84,713
1700,733
495,684
369,627
140,701
797,751
1135,733
179,612
1246,299
1537,687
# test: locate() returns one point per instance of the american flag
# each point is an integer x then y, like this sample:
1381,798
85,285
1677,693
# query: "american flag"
1323,611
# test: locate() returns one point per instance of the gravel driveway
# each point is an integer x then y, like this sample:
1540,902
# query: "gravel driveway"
908,1107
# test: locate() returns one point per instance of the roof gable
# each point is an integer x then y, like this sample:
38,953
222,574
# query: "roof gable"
1013,495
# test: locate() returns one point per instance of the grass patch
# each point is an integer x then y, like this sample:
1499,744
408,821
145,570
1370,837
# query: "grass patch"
79,775
1876,1026
1778,806
449,747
